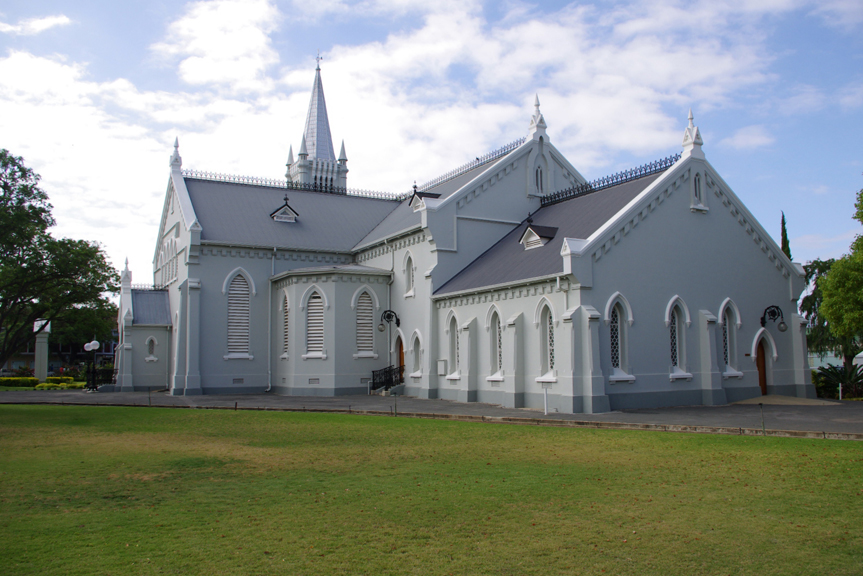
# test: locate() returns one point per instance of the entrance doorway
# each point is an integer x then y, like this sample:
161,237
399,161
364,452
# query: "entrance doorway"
761,362
400,349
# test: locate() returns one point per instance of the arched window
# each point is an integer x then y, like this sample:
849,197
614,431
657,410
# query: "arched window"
409,276
546,325
619,320
453,346
151,347
286,324
539,179
315,324
238,316
417,357
731,367
677,340
496,348
365,323
696,189
616,334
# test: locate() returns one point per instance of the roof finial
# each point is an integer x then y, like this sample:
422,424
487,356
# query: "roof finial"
691,118
692,139
318,58
536,103
176,161
537,122
286,199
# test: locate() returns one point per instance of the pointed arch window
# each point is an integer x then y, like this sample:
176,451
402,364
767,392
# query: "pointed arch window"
697,203
453,349
677,344
238,317
416,356
729,344
315,327
496,345
547,342
286,325
365,325
409,277
539,179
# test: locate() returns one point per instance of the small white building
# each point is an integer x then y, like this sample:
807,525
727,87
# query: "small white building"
510,280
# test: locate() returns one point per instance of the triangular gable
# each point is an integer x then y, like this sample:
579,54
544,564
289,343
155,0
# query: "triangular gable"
285,213
417,202
535,236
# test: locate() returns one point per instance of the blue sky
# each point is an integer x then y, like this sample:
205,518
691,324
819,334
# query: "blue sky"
93,93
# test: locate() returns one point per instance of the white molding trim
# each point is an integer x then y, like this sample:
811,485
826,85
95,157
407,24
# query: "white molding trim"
408,254
305,298
765,334
241,271
283,299
359,291
725,304
538,311
491,310
618,297
668,307
416,337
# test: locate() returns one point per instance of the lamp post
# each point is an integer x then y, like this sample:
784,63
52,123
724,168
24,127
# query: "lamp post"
91,373
774,313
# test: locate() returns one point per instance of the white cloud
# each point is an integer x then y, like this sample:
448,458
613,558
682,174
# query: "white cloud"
33,26
224,43
851,96
749,137
819,246
845,14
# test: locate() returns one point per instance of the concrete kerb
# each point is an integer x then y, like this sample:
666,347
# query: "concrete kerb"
732,431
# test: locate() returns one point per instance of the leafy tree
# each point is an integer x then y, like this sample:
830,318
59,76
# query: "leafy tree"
786,246
40,276
80,324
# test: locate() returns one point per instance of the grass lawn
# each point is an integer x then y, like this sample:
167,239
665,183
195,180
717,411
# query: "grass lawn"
101,490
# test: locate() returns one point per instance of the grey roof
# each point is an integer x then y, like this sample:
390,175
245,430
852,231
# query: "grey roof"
239,214
401,219
508,261
447,187
319,142
151,307
340,268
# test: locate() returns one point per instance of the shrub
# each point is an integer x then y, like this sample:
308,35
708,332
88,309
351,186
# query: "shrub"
59,379
50,386
23,371
73,373
851,380
76,385
19,381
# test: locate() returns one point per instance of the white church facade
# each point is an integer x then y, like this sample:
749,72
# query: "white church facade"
511,280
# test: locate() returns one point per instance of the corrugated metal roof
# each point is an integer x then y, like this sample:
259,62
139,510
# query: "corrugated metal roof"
508,261
401,219
341,268
151,307
240,214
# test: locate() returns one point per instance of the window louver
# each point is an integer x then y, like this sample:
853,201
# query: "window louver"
365,323
238,316
285,325
315,324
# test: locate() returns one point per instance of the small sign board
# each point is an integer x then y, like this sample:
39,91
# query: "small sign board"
41,322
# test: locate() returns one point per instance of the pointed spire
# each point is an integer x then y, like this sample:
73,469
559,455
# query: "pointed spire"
342,156
692,139
176,161
303,153
126,277
537,122
317,131
290,155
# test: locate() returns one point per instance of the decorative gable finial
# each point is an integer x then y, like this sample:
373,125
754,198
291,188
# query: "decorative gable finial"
692,139
176,161
537,122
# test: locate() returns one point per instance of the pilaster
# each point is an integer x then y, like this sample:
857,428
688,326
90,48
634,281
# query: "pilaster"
193,339
708,376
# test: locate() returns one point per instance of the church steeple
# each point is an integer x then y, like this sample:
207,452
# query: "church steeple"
317,132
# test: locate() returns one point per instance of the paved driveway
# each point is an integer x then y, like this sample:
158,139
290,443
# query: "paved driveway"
821,417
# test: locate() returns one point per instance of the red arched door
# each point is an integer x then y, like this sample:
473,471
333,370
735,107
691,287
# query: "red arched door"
761,362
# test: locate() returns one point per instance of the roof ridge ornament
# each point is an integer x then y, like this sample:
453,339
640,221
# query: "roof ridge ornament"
692,139
176,160
537,123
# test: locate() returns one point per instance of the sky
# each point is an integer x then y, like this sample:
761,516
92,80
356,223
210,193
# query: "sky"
93,93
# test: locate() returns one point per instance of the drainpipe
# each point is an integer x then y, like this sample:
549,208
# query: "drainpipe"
270,322
389,306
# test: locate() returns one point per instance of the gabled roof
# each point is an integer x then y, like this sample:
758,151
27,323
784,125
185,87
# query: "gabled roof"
150,308
239,214
400,220
508,261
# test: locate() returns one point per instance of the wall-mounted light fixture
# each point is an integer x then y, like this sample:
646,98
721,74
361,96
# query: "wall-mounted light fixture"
773,313
388,316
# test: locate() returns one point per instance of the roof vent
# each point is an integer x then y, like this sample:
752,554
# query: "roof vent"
285,213
537,236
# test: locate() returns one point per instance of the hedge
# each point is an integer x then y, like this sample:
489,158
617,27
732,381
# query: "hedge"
50,386
59,379
20,381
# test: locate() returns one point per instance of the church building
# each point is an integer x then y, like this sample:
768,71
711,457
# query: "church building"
510,280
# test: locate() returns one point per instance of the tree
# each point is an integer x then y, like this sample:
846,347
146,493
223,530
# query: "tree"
786,246
80,324
40,276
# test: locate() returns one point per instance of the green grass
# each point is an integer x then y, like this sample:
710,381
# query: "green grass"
90,490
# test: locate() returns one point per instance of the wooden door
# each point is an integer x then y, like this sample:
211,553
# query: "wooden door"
401,361
761,362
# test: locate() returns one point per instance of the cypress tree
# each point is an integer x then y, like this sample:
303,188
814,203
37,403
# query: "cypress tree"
786,247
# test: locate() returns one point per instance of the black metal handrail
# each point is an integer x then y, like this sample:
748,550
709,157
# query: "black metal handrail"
387,377
613,180
98,376
484,159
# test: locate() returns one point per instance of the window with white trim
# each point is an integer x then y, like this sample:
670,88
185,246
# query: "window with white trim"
496,348
616,335
315,324
729,344
286,324
453,346
151,347
677,336
417,358
365,323
409,277
546,325
238,315
539,179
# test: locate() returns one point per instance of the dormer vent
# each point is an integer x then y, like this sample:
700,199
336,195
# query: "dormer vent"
537,236
285,213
